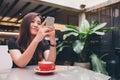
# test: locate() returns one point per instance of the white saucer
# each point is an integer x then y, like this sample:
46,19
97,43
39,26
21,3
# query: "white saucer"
39,71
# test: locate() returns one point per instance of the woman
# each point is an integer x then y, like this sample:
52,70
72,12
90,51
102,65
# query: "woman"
30,46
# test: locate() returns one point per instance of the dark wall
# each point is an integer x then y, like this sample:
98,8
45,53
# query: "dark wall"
111,15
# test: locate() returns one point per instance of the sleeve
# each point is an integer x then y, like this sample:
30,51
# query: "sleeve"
11,43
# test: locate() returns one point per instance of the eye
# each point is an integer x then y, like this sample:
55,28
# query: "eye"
32,21
39,23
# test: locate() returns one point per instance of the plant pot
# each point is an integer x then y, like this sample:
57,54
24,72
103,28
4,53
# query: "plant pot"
83,64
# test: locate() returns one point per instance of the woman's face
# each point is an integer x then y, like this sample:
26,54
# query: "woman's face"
34,25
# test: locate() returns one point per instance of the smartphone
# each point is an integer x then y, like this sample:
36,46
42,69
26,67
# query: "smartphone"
50,21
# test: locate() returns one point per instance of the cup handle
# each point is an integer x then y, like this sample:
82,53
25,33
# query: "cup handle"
53,67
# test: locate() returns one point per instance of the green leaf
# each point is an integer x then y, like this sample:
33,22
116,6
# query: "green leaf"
94,24
61,48
83,35
60,45
98,65
69,34
70,28
85,26
108,29
99,33
78,46
99,26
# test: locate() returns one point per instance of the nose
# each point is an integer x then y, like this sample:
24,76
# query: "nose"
35,25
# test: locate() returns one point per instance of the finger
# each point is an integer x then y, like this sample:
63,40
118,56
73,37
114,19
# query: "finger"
43,23
47,34
51,28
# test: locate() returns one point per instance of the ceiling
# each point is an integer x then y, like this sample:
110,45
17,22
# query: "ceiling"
75,4
12,11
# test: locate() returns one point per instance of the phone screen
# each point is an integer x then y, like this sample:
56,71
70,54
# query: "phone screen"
50,21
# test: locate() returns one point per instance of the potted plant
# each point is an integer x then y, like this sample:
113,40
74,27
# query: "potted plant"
79,43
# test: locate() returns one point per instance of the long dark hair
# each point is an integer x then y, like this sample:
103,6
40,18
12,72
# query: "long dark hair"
24,37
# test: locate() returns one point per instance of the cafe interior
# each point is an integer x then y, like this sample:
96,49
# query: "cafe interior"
67,12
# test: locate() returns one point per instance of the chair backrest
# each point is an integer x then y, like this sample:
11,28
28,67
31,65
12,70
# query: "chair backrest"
5,59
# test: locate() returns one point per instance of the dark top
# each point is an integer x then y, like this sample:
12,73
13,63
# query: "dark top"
36,57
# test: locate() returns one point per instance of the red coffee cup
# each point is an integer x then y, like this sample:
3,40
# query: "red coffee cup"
46,66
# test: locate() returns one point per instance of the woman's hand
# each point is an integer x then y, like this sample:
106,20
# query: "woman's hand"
42,32
51,34
45,31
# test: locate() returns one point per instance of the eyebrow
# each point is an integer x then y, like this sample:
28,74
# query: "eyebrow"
39,21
